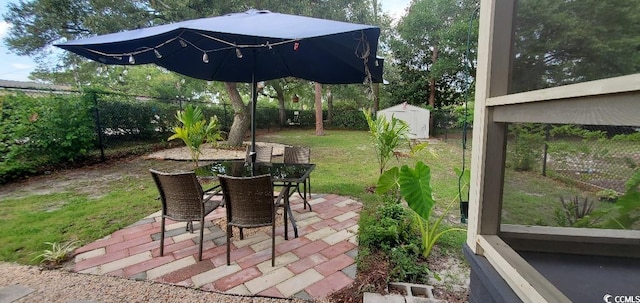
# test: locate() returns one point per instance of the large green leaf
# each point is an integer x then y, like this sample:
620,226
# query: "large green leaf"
388,181
416,189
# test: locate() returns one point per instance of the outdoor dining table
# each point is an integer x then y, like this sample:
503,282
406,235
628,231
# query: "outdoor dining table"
287,175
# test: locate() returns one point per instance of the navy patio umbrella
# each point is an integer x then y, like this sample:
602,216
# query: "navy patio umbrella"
253,46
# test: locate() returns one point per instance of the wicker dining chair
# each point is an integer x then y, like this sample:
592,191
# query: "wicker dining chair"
250,203
300,155
263,153
183,200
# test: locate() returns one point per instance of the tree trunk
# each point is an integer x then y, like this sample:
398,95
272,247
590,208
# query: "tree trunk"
432,80
319,128
241,115
280,95
432,89
376,97
329,106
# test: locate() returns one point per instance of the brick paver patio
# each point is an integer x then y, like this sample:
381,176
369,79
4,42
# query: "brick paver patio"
320,261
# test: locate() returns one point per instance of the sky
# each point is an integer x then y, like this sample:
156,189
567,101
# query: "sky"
17,68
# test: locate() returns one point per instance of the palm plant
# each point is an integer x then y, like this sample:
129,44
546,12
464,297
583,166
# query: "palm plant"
386,136
195,130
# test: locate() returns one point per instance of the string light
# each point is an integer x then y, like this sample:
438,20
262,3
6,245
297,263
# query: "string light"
205,57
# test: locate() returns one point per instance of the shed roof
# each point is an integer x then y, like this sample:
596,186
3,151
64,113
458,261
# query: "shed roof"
404,107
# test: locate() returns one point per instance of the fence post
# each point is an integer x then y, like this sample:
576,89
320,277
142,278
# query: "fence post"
94,95
546,149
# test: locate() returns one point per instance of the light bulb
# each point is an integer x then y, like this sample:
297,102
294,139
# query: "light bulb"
184,44
132,60
157,53
238,53
205,58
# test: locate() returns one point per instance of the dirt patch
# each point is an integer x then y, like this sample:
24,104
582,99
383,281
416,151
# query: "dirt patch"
94,179
210,153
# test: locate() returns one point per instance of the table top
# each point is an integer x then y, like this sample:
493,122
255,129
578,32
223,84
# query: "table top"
280,172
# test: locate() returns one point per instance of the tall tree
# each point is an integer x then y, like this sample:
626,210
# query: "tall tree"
430,46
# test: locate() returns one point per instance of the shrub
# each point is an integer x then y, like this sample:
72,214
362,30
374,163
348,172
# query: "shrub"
43,130
573,211
528,143
391,231
388,228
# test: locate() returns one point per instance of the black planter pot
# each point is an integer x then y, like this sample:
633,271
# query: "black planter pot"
464,211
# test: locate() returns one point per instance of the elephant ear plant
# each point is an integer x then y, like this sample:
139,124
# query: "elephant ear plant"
195,130
414,185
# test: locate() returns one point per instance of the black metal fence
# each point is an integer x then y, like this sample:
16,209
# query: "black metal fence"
593,157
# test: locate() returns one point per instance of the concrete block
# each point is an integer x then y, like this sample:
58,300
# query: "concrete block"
370,297
415,293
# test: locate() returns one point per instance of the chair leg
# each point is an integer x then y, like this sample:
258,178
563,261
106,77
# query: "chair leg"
306,199
304,196
273,242
286,227
201,237
229,230
241,234
162,236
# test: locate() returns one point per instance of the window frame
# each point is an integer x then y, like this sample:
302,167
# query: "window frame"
612,101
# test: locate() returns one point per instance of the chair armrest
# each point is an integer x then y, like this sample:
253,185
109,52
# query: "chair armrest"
211,192
216,189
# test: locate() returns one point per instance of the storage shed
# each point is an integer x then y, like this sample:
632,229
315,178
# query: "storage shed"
416,117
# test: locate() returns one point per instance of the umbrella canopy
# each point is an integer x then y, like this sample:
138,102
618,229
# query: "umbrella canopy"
253,46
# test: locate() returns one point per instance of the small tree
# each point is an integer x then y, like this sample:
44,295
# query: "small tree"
195,130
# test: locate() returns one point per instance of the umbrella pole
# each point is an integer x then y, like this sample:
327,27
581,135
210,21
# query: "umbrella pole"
254,98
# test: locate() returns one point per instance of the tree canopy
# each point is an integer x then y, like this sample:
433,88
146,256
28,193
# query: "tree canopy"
564,42
429,49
